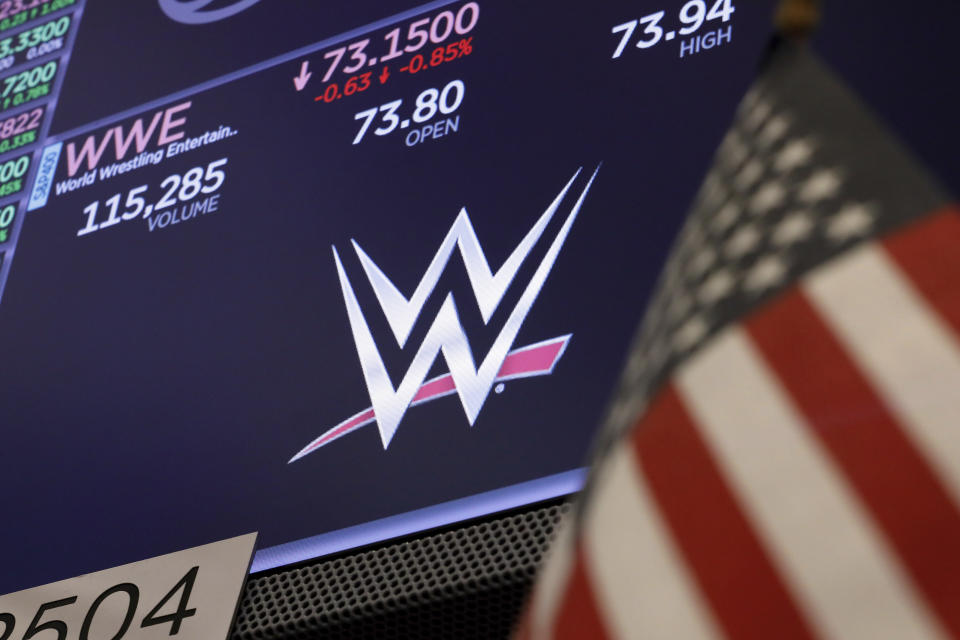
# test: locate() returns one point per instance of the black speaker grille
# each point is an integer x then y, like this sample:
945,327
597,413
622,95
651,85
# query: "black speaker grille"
465,583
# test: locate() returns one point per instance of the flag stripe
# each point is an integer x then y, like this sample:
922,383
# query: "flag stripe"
579,616
732,569
879,460
928,253
639,578
523,630
552,582
903,347
831,557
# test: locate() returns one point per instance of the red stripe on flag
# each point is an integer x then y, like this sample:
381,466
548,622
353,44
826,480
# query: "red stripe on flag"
578,615
523,630
907,500
929,253
728,561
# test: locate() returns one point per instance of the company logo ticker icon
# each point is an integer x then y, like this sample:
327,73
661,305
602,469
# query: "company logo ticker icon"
192,11
470,382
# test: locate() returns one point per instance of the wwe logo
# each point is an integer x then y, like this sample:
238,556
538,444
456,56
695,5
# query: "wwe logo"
471,383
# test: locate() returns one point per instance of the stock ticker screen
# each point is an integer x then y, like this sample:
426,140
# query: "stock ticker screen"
330,271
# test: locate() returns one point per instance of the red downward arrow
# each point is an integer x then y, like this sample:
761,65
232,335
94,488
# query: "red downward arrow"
301,81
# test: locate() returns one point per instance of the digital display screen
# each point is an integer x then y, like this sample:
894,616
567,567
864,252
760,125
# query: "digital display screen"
331,271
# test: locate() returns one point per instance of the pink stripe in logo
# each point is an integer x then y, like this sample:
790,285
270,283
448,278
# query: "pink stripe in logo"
526,362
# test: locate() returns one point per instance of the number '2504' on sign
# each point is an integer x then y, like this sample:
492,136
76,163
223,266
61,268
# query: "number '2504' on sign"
191,593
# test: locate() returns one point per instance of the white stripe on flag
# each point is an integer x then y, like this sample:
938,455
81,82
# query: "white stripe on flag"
552,581
903,348
642,587
827,551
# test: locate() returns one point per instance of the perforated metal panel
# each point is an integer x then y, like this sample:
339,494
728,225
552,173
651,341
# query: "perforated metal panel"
465,583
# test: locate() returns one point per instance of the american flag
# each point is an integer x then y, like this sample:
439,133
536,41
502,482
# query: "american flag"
782,458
